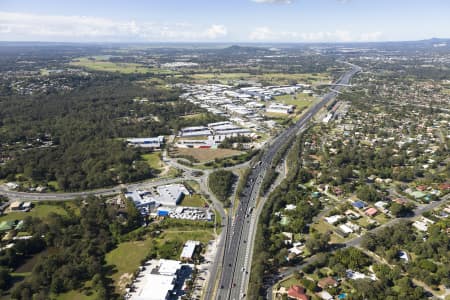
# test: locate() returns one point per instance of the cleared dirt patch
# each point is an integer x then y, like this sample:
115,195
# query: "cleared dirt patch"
124,280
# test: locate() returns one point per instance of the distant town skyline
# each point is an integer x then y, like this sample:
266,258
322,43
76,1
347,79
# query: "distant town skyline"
223,21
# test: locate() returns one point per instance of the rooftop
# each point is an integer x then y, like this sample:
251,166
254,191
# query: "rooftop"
153,287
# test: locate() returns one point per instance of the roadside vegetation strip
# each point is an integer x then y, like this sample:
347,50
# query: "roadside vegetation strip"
221,183
271,174
243,178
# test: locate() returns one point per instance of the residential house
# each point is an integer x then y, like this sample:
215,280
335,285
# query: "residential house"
297,292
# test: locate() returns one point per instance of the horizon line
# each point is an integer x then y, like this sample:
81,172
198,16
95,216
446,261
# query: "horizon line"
224,42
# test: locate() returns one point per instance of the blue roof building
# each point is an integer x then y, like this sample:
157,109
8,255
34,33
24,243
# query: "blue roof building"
359,204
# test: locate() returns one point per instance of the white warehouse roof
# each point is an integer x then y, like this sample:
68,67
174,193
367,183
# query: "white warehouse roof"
189,249
169,267
153,287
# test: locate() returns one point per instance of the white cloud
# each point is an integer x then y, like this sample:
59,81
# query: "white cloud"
274,1
266,34
216,31
23,26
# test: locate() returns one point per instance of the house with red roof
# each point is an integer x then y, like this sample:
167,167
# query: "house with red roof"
371,212
444,186
297,292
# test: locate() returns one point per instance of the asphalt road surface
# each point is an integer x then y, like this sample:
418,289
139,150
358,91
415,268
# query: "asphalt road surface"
237,246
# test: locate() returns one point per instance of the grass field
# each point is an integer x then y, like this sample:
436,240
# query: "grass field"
300,100
185,234
153,160
54,184
194,116
76,295
221,76
193,201
272,78
40,211
280,116
289,282
282,78
44,72
99,64
126,259
204,155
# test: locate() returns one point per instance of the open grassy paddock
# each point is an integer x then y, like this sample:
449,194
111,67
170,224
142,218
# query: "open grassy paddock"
154,160
126,259
272,78
99,64
195,200
204,155
40,211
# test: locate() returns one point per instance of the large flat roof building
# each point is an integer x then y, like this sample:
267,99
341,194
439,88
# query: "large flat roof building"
195,131
169,267
156,282
153,142
154,287
171,194
167,195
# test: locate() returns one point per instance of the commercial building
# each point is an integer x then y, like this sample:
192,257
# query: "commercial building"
188,251
209,143
167,195
171,194
195,131
157,282
142,198
153,142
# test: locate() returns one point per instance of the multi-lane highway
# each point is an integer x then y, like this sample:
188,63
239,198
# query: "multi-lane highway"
239,238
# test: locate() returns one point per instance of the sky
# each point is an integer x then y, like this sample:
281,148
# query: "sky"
223,20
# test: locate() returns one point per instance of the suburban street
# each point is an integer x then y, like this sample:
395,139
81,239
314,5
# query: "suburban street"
239,238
